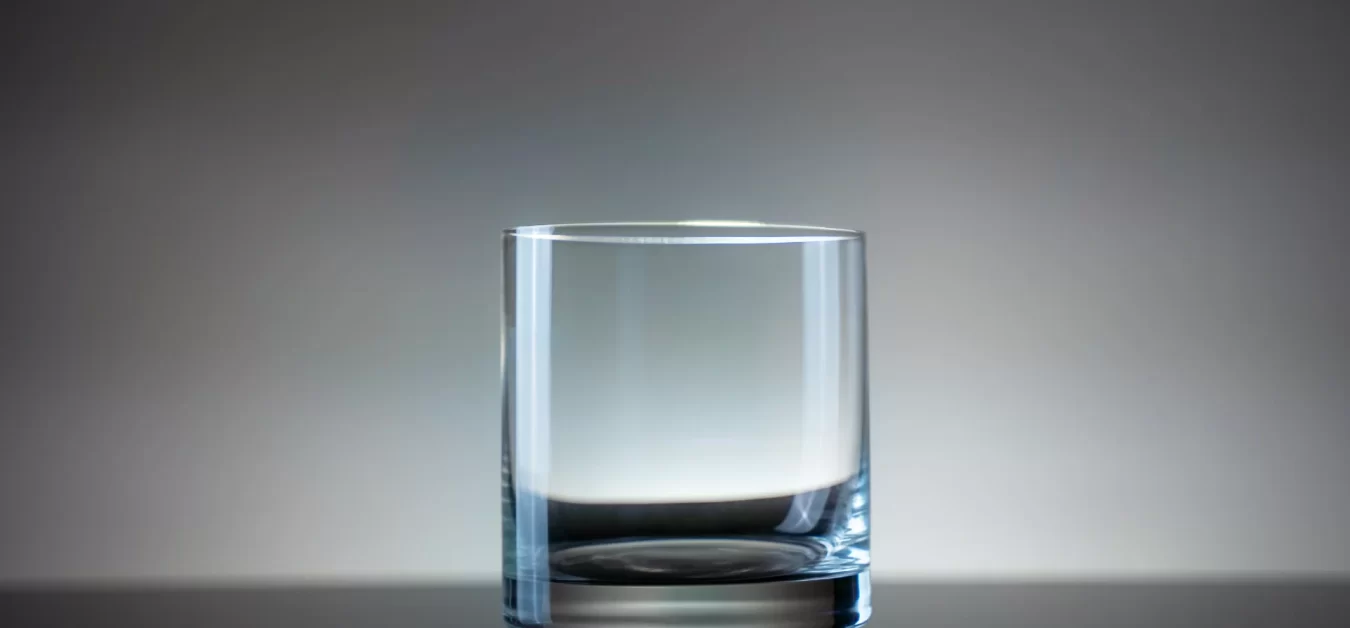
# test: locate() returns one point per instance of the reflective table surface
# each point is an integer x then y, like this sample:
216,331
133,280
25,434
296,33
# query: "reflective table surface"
916,605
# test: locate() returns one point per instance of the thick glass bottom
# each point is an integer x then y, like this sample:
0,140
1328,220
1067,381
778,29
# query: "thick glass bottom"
840,601
684,561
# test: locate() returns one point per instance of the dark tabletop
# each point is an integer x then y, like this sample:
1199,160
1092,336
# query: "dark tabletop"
1077,605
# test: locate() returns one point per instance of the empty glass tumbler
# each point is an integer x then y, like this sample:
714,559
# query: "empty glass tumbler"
685,428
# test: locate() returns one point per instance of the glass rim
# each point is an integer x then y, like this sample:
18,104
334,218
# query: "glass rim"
683,232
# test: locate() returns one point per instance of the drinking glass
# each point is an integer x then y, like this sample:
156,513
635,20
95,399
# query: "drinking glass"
685,429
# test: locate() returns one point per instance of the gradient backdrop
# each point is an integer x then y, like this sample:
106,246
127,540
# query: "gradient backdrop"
250,265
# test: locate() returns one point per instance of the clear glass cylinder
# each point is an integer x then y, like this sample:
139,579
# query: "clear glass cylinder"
685,405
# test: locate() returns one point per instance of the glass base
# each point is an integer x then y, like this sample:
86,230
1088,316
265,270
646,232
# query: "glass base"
684,561
827,602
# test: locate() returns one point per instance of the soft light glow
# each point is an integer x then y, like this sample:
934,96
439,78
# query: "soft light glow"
720,223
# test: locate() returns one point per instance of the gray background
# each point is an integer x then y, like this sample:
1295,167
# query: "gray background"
250,267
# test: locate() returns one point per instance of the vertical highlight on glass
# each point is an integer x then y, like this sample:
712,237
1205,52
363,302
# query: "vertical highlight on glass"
685,425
